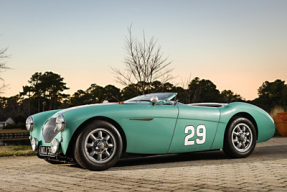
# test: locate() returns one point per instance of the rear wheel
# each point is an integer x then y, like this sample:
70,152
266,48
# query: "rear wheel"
240,138
99,146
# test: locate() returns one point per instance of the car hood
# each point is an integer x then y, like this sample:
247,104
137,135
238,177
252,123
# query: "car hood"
84,106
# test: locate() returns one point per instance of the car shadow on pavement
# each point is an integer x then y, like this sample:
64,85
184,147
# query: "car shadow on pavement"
161,160
199,158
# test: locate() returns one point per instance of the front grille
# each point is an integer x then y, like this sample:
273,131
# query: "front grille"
49,130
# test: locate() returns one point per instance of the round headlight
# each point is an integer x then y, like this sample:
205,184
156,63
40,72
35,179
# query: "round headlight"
55,146
60,122
34,144
29,123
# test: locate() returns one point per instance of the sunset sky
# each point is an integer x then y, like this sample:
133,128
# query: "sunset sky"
236,44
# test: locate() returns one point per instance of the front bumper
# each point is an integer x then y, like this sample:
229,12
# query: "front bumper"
51,149
57,159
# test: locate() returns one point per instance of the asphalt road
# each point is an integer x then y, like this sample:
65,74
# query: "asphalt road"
264,170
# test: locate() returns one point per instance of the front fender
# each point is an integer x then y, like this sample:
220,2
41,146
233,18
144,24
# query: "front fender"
75,118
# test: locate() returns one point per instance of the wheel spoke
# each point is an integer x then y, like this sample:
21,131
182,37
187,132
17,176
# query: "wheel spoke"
93,137
236,134
90,145
238,129
243,145
236,140
106,153
107,137
92,153
239,145
244,129
247,134
110,145
100,135
99,157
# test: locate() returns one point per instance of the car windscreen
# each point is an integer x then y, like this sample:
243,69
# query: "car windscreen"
147,97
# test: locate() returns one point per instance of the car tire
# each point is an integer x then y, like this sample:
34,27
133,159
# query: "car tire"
99,146
240,138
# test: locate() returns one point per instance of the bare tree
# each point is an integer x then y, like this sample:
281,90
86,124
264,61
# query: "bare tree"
144,63
2,67
187,91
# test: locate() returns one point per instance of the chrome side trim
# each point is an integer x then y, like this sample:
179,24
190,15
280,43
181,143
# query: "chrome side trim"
144,119
208,104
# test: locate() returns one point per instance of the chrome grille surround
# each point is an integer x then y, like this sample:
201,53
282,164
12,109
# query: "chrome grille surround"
49,130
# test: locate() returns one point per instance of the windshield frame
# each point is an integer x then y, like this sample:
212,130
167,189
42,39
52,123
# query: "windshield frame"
147,97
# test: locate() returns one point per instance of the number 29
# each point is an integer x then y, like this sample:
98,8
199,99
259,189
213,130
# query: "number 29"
200,132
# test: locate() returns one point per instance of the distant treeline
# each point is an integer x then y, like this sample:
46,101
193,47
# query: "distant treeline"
46,92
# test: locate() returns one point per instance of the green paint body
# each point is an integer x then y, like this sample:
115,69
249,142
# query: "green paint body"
165,133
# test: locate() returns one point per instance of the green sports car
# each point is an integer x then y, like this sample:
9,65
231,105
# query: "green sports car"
95,136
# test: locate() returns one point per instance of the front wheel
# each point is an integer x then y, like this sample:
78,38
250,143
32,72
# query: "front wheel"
99,146
240,138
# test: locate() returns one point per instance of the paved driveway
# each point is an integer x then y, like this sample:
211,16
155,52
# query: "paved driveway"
264,170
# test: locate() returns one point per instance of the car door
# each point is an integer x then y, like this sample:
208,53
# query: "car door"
148,128
195,128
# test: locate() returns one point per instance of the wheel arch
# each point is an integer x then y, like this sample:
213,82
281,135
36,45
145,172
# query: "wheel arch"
262,122
245,115
70,151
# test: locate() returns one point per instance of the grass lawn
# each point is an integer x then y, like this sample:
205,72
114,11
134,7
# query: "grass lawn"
18,150
16,130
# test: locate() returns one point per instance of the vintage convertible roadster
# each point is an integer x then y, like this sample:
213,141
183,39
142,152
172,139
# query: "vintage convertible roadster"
96,135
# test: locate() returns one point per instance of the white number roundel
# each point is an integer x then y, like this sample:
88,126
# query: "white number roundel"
200,132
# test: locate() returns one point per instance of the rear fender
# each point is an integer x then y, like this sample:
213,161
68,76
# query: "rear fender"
262,121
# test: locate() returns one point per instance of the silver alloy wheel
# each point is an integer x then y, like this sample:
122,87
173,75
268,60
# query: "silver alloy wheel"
242,137
100,145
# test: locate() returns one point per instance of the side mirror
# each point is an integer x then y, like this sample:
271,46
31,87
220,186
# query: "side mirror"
154,100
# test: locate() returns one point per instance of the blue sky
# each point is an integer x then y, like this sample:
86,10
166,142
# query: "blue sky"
236,44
